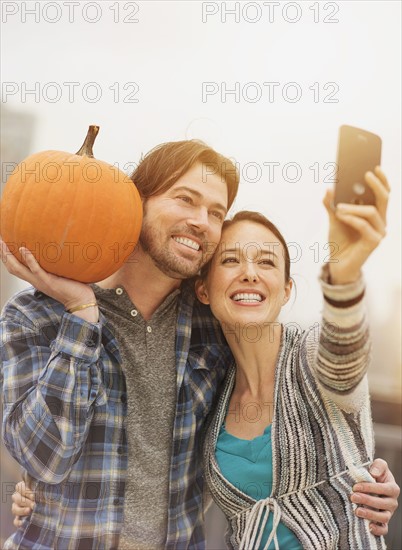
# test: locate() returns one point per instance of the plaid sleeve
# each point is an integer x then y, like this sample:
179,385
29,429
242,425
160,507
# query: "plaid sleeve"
49,388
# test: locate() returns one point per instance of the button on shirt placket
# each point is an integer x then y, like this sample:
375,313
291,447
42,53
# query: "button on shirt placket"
139,360
150,416
118,501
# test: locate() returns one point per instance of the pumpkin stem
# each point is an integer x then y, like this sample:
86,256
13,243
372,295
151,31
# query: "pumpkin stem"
86,147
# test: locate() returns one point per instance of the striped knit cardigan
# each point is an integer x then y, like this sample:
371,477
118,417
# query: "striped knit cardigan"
322,437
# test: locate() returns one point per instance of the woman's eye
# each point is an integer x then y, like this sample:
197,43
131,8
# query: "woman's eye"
267,262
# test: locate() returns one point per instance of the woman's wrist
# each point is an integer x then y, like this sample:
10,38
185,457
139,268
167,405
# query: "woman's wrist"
336,278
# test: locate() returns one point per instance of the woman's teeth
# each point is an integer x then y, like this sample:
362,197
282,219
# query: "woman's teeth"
247,297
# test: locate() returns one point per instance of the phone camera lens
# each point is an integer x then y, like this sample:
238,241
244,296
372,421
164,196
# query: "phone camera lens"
358,188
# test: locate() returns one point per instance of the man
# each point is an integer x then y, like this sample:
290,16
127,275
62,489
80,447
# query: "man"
135,358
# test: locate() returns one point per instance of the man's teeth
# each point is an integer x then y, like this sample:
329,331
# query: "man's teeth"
187,242
247,298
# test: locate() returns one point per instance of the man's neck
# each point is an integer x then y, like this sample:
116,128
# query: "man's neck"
145,284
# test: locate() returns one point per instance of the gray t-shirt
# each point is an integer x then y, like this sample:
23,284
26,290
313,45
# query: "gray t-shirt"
147,349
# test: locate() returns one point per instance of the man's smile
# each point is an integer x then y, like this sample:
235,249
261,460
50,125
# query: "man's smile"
186,241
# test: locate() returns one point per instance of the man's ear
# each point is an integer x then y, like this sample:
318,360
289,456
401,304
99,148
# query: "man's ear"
201,291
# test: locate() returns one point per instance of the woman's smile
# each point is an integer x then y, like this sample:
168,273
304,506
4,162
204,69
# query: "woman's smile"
246,281
247,297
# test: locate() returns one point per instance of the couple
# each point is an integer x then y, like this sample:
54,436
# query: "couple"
105,404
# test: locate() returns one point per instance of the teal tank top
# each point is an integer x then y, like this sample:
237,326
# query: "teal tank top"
247,464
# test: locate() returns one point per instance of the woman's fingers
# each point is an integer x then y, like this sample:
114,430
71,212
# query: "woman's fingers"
369,234
378,183
23,496
17,510
23,501
383,178
17,522
369,213
25,491
328,202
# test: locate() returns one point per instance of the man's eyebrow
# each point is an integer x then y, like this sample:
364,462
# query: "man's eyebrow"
201,196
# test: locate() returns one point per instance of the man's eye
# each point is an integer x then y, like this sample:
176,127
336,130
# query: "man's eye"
218,215
232,260
185,198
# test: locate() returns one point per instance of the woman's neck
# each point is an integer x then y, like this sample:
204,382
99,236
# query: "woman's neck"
256,356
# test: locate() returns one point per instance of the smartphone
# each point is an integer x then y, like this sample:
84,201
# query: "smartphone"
359,151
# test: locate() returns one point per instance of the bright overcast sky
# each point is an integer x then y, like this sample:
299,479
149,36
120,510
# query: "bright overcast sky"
264,82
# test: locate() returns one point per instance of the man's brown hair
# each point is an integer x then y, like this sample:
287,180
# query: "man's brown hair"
161,167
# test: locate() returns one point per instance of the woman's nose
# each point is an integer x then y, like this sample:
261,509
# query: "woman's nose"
250,273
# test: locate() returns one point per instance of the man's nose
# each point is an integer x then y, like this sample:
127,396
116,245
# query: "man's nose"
199,218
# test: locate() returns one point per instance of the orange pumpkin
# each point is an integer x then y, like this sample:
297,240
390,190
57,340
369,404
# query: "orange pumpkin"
79,216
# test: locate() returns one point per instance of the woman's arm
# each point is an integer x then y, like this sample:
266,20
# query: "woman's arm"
344,346
356,230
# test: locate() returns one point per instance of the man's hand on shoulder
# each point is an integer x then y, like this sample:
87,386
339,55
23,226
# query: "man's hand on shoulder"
377,501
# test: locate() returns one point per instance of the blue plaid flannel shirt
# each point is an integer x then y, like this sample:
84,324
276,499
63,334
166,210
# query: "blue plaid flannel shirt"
64,407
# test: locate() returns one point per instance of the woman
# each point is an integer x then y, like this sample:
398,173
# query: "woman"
292,431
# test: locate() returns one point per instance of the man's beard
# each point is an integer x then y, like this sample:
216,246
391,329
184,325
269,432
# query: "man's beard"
165,260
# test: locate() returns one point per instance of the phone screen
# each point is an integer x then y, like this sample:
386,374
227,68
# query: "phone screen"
359,151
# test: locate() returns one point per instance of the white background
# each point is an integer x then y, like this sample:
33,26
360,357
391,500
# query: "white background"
175,47
169,52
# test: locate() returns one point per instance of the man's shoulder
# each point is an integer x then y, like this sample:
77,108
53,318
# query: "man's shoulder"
33,306
205,329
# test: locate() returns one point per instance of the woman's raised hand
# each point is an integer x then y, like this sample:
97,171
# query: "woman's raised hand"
356,230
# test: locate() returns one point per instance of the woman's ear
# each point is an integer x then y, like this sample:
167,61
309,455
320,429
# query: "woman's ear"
288,291
201,291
